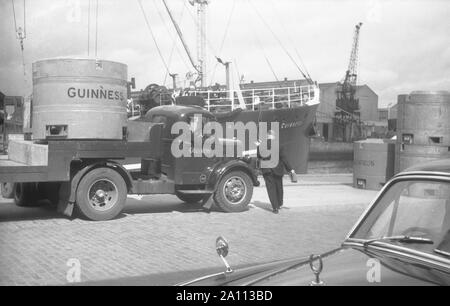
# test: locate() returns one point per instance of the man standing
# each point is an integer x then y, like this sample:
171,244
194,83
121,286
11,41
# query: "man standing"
273,178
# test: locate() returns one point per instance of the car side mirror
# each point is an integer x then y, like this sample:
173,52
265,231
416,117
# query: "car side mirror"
222,248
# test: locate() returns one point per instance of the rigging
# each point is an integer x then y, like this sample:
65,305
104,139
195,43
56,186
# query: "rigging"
223,41
279,42
96,27
153,36
174,43
284,28
260,46
21,33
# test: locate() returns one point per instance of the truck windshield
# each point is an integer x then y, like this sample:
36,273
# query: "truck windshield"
411,209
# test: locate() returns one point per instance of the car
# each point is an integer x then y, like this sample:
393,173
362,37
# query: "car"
403,238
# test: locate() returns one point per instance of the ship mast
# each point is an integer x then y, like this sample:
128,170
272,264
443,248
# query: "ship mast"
201,38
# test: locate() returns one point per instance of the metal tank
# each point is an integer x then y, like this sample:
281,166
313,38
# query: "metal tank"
373,163
424,118
423,128
79,99
411,155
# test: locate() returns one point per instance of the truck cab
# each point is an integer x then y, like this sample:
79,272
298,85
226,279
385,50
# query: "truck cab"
197,176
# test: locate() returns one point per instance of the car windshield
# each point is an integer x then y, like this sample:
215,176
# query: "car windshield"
411,208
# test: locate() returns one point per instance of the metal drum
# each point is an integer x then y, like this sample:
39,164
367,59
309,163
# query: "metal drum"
79,99
411,155
373,163
424,118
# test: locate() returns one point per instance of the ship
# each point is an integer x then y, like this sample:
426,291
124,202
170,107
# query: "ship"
293,106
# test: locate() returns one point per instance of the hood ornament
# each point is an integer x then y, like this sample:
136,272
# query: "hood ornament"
222,249
316,269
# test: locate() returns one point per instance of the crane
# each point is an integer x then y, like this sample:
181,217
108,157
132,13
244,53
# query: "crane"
346,103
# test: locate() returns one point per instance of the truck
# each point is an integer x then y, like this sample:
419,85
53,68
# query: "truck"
92,177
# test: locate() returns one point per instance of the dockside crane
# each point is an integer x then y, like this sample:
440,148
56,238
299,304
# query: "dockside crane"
347,105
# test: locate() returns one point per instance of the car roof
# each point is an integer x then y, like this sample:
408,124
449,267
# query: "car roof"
441,167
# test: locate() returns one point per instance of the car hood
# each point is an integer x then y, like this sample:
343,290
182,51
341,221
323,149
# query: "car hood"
342,267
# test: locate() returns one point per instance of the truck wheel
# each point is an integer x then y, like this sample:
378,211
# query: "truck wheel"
25,194
101,194
234,192
8,190
190,198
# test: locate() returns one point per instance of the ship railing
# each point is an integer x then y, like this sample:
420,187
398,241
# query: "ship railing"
254,99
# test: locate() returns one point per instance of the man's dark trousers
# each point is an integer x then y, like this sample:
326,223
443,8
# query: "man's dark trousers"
274,186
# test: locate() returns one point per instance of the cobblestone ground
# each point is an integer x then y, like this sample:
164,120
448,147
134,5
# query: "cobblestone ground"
158,234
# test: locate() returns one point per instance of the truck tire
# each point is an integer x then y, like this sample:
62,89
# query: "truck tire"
101,194
234,191
25,194
190,198
8,190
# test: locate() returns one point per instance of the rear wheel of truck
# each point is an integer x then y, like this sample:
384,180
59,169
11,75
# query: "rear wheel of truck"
8,190
234,191
101,194
190,198
25,194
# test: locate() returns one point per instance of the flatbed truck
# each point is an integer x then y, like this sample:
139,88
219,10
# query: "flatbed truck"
89,176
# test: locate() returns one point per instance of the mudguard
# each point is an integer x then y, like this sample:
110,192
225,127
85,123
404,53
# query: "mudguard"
66,205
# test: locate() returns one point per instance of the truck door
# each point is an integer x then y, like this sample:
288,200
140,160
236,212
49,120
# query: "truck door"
189,170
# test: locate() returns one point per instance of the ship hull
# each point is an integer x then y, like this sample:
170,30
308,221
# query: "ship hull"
295,125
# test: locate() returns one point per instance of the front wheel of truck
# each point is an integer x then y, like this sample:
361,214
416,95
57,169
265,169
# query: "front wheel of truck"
101,194
234,191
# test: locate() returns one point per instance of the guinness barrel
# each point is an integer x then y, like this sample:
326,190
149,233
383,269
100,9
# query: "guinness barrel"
411,155
373,163
424,118
79,99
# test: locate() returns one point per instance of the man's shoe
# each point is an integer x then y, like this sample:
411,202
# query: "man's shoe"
275,211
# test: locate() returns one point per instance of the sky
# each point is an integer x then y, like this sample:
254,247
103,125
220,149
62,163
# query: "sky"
404,44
